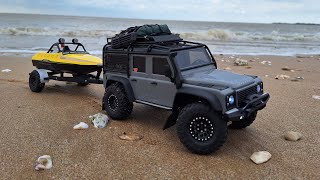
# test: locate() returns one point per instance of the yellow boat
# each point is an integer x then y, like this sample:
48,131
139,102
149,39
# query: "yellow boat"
67,57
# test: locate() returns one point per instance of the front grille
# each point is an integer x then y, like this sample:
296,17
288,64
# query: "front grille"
243,94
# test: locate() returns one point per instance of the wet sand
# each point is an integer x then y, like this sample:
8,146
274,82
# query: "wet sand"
34,124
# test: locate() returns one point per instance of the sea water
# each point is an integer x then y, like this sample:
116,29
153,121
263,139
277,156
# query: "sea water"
27,34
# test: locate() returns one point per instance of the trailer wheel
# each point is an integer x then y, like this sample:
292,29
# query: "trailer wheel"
35,84
116,102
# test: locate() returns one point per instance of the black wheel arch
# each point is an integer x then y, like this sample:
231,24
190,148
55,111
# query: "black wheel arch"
187,95
126,84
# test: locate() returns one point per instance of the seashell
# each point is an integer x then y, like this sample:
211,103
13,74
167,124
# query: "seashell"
130,137
81,125
6,70
43,162
99,120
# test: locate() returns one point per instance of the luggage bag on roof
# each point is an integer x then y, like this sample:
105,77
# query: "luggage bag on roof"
130,35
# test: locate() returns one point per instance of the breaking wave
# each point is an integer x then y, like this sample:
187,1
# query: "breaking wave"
210,35
55,32
227,35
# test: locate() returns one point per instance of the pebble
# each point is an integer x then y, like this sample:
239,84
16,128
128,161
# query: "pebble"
292,136
281,76
241,62
80,126
6,70
99,120
286,68
260,157
227,68
43,162
316,97
130,137
266,63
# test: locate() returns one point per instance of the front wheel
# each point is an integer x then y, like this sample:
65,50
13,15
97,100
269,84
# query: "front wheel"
200,130
116,102
35,84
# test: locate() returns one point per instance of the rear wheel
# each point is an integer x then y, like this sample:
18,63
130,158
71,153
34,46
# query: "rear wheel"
35,84
244,122
201,130
116,102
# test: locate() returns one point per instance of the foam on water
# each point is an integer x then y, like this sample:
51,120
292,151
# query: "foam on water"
28,34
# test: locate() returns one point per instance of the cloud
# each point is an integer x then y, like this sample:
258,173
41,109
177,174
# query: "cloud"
200,10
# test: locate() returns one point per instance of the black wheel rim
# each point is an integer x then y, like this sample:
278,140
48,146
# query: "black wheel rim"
113,102
201,128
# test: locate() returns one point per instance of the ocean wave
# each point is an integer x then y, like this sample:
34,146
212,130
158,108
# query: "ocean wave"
228,35
210,35
26,31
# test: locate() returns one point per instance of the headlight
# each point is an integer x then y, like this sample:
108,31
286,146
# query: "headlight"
231,100
258,88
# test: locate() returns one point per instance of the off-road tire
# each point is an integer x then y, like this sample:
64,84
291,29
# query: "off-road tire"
214,127
116,102
35,84
243,123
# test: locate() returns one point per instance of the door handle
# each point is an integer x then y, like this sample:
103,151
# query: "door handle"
133,80
154,83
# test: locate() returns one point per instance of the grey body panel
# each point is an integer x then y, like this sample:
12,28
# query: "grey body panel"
216,77
152,88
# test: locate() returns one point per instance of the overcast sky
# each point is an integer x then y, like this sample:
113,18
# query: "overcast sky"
261,11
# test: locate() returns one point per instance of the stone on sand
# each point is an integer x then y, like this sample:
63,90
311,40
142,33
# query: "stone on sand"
43,162
227,68
80,126
293,136
6,70
260,157
241,62
286,68
282,76
266,63
316,97
99,120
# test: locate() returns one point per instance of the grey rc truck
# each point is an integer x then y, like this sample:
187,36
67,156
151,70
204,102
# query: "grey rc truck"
150,65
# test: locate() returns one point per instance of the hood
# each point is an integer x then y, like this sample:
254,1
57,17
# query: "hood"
219,78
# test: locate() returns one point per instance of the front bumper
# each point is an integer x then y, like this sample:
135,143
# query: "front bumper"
237,114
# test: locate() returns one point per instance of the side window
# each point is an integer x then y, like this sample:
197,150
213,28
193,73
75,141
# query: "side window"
159,65
139,64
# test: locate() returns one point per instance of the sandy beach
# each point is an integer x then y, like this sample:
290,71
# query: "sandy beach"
34,124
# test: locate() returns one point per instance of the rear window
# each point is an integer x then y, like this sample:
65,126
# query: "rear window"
139,64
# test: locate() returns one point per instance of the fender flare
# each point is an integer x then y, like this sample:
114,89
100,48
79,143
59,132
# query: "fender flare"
126,84
44,76
211,98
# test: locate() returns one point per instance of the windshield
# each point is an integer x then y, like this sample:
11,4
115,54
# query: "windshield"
73,49
192,58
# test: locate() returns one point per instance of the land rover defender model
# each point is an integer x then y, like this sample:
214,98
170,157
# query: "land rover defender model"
162,70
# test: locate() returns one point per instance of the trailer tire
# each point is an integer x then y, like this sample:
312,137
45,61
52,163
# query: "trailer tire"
35,84
116,102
